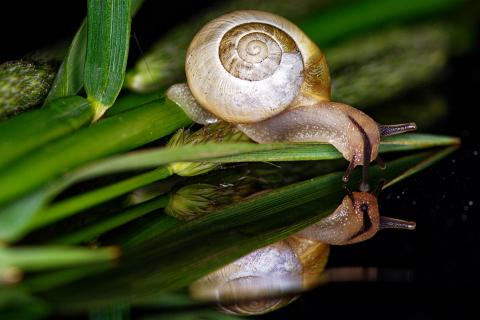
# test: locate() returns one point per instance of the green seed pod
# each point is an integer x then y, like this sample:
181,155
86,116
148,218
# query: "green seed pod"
23,85
219,132
195,200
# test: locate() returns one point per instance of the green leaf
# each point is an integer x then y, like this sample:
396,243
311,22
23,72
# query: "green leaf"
87,200
101,227
69,79
108,38
48,257
342,21
132,100
248,152
30,130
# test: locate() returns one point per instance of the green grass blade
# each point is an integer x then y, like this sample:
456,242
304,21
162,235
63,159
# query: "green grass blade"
76,204
69,78
30,130
145,124
108,38
422,165
101,227
248,152
115,312
48,257
132,100
358,16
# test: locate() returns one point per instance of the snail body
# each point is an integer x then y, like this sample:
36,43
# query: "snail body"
262,73
271,277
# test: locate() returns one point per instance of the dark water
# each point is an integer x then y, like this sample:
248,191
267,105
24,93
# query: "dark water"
425,274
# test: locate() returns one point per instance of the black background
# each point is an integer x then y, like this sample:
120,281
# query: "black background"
440,257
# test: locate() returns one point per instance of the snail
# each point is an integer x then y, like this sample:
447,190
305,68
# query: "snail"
260,72
270,277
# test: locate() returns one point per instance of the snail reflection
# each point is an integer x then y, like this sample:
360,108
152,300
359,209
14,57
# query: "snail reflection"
271,277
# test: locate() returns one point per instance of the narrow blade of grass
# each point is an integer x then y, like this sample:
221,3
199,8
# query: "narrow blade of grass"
357,16
87,200
69,79
48,257
30,130
248,152
114,222
108,38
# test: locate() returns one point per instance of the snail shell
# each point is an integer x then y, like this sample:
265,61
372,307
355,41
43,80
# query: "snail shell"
248,66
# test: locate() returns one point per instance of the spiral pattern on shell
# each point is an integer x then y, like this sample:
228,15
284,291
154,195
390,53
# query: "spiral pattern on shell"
235,297
253,51
247,66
